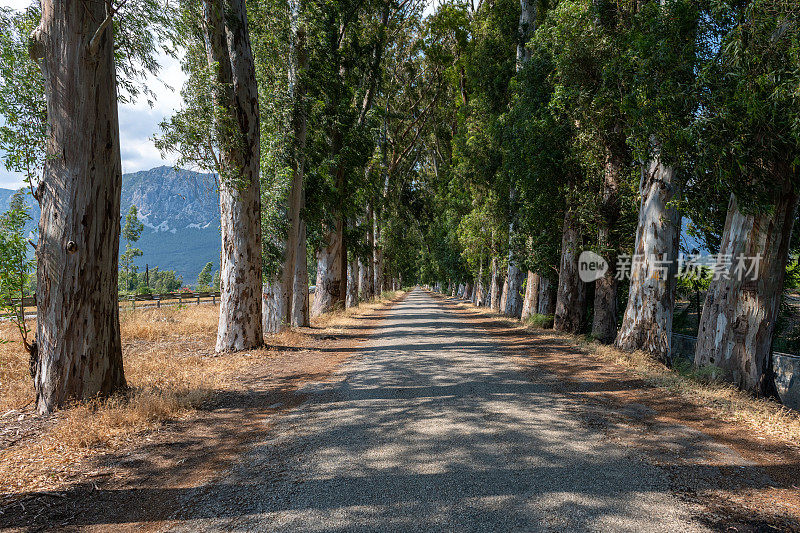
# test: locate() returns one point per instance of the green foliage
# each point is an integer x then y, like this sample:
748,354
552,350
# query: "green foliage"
15,266
131,231
540,321
205,278
22,102
133,227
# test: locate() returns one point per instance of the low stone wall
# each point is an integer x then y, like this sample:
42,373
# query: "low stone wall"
786,367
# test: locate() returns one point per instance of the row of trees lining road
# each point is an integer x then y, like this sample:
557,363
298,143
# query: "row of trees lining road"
479,146
614,127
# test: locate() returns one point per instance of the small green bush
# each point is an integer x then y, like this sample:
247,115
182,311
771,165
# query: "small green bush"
540,321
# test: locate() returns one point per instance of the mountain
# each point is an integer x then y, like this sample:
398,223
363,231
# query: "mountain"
180,212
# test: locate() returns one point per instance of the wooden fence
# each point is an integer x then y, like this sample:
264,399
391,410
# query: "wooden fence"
168,298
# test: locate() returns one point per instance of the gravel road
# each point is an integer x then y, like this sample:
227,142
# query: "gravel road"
434,428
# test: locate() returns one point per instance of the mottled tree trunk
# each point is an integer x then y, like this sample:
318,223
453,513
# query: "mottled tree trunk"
739,313
530,303
352,284
647,324
329,276
296,200
504,295
479,292
300,311
78,338
237,125
369,292
363,280
274,313
604,323
513,307
571,295
547,296
377,255
495,287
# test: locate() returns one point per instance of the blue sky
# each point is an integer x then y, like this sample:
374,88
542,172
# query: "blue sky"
137,121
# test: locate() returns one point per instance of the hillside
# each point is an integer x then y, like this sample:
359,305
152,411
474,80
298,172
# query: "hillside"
180,211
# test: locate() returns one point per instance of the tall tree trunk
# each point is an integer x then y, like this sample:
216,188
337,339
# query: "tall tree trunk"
329,276
369,261
479,292
647,324
300,311
571,295
363,280
547,296
511,304
494,290
274,314
527,26
739,313
296,198
352,284
530,304
604,324
237,125
77,337
377,255
513,307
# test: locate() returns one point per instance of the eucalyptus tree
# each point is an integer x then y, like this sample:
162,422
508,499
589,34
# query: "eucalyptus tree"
346,43
749,107
85,50
664,46
222,133
528,21
588,43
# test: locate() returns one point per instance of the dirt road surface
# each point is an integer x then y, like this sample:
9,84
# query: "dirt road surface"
434,427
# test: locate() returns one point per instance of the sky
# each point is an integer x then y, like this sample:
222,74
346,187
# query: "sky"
138,122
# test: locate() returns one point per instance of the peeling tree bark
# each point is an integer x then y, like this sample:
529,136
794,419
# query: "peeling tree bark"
352,284
547,296
504,295
369,292
738,319
329,276
530,303
480,297
513,307
363,280
604,323
571,295
647,324
237,125
296,200
274,314
494,288
78,338
377,257
300,311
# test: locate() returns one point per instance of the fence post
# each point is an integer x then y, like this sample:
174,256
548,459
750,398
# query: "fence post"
198,299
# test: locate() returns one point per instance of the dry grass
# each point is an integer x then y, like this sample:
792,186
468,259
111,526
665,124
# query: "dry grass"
171,369
762,416
15,380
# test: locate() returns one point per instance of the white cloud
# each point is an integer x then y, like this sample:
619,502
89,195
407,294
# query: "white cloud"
138,122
